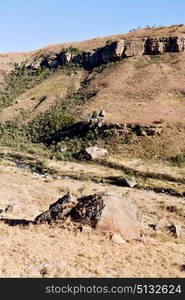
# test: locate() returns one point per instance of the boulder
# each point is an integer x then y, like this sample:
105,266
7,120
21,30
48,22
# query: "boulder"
94,152
175,230
108,212
116,238
58,210
105,212
88,210
130,181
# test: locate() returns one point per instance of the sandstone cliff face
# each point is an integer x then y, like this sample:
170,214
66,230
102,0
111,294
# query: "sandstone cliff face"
134,48
169,44
115,51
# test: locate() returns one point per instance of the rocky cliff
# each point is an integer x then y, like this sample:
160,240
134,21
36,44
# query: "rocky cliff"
112,52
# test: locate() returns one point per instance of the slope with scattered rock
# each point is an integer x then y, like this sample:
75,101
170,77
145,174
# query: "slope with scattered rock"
101,122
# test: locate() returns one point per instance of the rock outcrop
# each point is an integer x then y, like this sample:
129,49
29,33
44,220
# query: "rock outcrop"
162,45
146,130
105,212
134,47
155,46
114,51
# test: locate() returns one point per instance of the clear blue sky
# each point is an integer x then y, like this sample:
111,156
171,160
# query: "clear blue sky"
30,24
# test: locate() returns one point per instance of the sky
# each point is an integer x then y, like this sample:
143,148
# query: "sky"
28,25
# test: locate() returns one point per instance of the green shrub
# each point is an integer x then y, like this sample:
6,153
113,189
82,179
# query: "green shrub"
94,114
71,49
19,80
109,42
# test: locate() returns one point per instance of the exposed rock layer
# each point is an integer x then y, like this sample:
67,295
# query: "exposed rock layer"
112,52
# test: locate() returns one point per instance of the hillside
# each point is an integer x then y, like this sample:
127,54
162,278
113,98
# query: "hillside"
124,93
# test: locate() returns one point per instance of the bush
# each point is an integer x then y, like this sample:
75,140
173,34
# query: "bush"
109,42
178,160
94,114
20,79
71,49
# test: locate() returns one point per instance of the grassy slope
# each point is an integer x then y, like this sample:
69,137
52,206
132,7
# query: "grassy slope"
127,93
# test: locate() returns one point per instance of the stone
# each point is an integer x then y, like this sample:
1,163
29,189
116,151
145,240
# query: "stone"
94,152
147,130
130,182
175,230
66,57
180,44
88,210
58,210
95,59
153,226
86,229
175,44
44,272
113,51
102,114
9,208
1,211
105,212
134,47
108,212
155,46
172,208
116,238
148,240
143,132
182,268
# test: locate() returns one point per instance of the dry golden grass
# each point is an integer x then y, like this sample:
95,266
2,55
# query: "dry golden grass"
26,251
